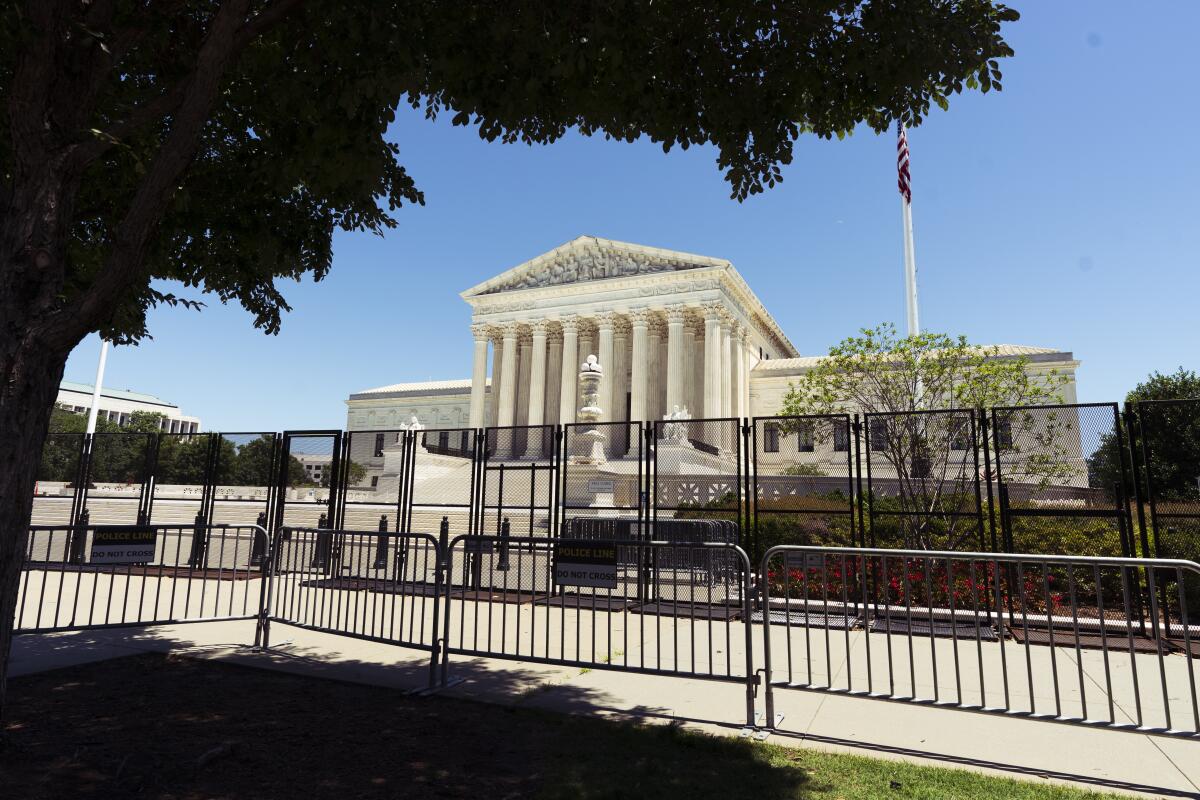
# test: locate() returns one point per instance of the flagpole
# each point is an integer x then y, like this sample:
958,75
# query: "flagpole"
910,258
91,423
910,270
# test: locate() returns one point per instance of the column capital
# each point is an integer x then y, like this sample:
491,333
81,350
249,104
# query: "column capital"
539,327
509,330
605,320
742,332
712,311
676,314
641,317
481,331
570,324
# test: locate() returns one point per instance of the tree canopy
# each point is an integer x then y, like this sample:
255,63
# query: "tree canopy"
220,144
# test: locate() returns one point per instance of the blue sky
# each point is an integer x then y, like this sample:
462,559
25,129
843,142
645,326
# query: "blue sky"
1061,212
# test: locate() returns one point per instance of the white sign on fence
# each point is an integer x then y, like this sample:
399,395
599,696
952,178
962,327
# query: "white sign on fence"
123,544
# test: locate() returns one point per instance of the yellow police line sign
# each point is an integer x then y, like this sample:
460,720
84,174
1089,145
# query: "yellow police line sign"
123,544
583,563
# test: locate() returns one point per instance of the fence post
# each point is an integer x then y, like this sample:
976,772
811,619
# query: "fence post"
381,547
320,556
269,563
502,561
200,541
261,545
78,545
440,587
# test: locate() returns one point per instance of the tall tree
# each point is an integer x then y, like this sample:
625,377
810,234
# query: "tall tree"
927,459
217,144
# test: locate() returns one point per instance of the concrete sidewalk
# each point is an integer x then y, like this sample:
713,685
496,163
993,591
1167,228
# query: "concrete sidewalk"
1132,763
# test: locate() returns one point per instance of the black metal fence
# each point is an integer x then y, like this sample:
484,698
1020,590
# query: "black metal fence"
1082,479
1040,636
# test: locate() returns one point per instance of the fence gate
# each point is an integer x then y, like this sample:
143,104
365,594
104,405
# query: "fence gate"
1061,475
517,480
802,481
923,480
60,478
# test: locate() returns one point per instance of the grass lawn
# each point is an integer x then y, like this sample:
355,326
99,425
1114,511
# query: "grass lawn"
156,726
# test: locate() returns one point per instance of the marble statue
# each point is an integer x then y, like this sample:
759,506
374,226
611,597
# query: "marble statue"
592,364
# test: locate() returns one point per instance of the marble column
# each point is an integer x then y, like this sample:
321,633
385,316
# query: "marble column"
726,367
537,373
493,406
570,370
738,372
554,364
743,365
478,375
712,360
639,372
508,378
604,323
675,316
654,336
689,368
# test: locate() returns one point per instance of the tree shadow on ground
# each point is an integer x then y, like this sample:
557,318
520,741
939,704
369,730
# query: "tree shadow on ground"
167,726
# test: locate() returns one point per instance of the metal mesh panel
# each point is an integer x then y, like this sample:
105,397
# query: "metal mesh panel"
697,469
518,479
1063,477
181,476
923,488
602,470
243,477
375,463
1167,444
307,475
57,479
802,474
117,471
443,479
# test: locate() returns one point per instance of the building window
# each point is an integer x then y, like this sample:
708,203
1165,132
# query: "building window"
378,445
771,437
806,439
374,481
878,433
841,439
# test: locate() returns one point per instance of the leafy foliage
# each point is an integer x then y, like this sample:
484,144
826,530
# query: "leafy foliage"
919,392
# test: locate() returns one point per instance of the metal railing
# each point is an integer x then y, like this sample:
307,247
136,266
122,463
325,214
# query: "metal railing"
191,574
1046,637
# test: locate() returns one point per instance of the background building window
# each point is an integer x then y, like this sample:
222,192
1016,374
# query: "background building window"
771,438
878,433
374,481
378,445
806,439
841,439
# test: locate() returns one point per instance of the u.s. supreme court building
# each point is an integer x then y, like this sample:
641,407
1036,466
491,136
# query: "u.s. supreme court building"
670,329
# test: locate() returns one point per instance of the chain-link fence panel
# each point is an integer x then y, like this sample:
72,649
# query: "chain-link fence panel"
697,470
59,479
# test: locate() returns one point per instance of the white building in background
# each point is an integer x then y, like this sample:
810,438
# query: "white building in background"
118,406
670,329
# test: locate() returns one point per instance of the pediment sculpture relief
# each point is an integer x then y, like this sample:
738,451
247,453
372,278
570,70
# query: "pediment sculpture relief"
581,267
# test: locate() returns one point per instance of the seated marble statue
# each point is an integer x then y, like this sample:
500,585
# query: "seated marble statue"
592,364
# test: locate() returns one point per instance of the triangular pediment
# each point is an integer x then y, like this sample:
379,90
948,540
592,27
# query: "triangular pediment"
588,259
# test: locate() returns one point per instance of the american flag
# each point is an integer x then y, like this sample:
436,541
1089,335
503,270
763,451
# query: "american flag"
902,162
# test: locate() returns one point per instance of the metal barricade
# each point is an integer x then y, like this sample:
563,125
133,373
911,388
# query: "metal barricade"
375,585
1045,637
505,601
72,578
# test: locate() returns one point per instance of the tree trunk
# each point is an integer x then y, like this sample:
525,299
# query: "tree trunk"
31,375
